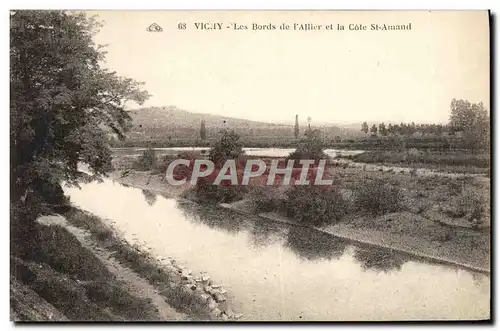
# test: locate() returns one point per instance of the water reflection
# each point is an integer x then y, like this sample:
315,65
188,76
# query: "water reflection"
149,196
312,245
261,232
379,260
212,217
306,243
273,271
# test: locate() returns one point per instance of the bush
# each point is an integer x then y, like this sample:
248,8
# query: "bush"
205,191
310,148
228,146
377,197
315,205
470,204
266,198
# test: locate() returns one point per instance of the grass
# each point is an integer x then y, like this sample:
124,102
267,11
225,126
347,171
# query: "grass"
377,196
469,204
63,252
143,264
73,280
448,161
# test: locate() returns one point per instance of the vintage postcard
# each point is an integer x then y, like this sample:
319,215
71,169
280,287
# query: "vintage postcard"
237,166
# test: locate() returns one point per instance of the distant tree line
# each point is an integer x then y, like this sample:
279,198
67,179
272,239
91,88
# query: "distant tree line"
471,120
404,129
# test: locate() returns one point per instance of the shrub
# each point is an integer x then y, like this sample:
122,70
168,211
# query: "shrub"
469,204
228,146
205,191
266,198
315,205
310,148
377,196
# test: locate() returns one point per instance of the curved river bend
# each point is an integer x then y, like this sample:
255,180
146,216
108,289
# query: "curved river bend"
280,272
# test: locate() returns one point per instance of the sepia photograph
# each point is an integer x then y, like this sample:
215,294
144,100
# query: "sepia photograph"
250,166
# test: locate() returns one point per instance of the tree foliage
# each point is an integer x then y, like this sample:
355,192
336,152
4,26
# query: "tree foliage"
203,131
227,147
473,120
364,128
62,103
296,129
309,148
382,129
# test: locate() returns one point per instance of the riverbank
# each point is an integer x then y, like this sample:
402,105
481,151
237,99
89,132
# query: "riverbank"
452,253
113,279
429,225
63,279
444,162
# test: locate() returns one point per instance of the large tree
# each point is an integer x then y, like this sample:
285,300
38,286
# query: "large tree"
296,128
382,129
203,130
364,128
63,104
473,120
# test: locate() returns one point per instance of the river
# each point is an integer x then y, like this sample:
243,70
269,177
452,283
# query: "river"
279,272
261,152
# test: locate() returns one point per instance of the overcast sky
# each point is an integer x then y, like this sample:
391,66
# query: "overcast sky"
332,76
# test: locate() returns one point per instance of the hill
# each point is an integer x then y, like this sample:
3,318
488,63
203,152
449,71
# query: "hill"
170,121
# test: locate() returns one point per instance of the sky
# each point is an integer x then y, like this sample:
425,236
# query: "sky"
334,76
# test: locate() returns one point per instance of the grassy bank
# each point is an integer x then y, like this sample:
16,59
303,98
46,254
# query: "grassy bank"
70,278
80,269
169,284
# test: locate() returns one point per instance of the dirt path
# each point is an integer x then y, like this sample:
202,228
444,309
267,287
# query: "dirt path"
137,285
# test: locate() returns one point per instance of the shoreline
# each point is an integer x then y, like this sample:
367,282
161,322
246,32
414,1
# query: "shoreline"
193,297
341,232
446,252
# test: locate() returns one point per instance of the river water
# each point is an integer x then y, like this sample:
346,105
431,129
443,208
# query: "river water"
280,272
261,152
